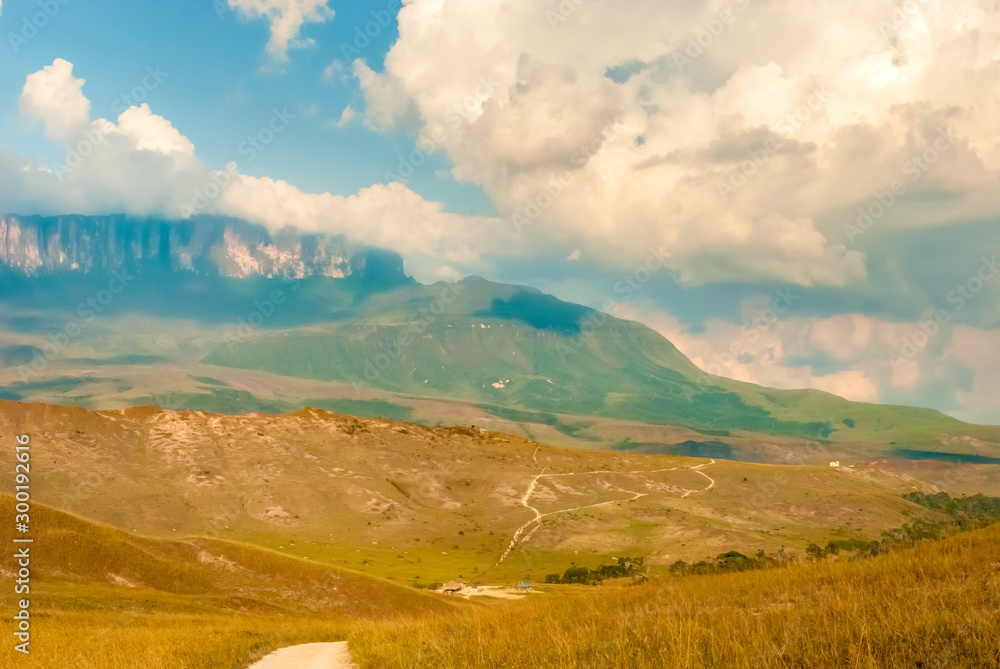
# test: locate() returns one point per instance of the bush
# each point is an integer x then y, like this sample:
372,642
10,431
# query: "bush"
577,575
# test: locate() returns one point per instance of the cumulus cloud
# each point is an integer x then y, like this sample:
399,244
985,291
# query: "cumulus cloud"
859,357
55,97
345,116
745,151
286,18
389,216
388,102
335,73
141,164
153,133
978,351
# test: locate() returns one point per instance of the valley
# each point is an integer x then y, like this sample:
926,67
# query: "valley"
166,539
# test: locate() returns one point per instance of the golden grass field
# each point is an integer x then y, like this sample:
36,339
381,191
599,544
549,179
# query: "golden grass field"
195,541
935,605
422,504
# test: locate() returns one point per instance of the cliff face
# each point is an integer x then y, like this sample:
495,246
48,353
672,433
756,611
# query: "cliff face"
210,246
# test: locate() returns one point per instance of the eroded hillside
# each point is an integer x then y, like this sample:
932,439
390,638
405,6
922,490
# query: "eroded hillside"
416,502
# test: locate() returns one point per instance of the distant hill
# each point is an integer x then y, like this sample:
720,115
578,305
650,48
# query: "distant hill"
416,503
220,315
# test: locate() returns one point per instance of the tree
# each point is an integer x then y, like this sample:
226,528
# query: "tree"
680,567
576,575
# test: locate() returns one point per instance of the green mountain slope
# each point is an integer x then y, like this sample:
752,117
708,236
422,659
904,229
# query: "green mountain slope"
513,348
473,349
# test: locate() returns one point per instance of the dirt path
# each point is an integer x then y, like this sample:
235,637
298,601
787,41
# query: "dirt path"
537,520
309,656
711,481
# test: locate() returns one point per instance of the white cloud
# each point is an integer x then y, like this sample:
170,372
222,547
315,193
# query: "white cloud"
53,96
388,102
769,352
388,216
647,157
978,350
334,73
308,111
858,357
345,116
153,133
286,18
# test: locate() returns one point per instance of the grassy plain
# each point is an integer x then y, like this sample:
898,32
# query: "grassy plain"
932,606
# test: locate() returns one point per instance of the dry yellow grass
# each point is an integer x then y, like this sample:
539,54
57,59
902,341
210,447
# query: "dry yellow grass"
104,599
936,605
389,498
120,640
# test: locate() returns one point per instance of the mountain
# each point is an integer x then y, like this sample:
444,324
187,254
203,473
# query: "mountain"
203,245
220,315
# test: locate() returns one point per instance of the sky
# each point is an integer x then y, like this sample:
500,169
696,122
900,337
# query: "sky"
798,194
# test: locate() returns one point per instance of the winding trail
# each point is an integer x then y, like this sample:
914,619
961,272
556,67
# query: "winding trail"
537,520
711,481
309,656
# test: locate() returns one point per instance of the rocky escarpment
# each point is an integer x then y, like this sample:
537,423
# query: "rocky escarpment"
211,246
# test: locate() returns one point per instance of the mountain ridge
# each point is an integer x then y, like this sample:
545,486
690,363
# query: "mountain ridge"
373,340
36,245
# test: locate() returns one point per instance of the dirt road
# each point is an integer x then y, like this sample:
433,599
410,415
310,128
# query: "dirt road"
309,656
521,537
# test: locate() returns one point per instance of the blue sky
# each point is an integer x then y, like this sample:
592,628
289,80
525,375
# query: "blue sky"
559,144
218,87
